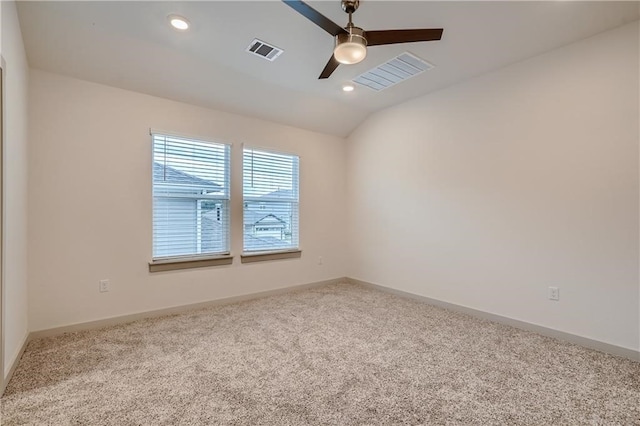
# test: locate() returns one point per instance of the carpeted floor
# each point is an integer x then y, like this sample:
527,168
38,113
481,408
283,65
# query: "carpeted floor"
340,354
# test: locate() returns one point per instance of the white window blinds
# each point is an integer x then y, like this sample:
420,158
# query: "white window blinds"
270,197
190,197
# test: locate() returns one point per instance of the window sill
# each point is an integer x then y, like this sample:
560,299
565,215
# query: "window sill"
189,263
270,255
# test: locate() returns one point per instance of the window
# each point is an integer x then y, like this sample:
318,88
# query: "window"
190,197
270,189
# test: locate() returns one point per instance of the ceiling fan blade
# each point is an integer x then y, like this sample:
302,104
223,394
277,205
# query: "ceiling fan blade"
377,38
316,17
329,68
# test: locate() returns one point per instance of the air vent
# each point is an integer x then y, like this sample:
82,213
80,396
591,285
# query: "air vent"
393,72
264,50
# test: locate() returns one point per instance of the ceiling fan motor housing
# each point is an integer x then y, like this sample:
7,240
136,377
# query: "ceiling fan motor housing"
350,6
354,35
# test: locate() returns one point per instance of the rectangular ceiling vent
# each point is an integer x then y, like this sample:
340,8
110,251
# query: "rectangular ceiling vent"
264,50
394,71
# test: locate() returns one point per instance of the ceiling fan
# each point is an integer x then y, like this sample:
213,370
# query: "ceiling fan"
351,42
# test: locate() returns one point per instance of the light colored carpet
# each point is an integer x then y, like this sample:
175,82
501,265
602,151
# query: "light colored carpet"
340,354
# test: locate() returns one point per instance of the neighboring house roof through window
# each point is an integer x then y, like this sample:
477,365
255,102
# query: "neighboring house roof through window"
252,217
170,175
280,193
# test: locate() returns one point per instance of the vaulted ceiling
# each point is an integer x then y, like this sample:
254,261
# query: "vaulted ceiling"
130,45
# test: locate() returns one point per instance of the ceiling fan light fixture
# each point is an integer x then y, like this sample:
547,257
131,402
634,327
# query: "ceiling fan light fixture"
350,48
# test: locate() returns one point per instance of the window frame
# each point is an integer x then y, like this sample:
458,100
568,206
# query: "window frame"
250,256
193,260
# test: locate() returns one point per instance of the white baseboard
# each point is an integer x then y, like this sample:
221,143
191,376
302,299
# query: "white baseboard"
545,331
14,364
123,319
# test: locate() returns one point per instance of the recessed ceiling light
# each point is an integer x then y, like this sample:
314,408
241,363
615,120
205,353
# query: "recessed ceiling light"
178,22
348,88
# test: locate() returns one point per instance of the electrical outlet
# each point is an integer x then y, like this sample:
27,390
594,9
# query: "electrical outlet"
104,286
554,293
320,260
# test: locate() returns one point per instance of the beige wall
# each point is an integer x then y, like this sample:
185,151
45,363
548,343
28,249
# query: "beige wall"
15,184
486,193
90,195
483,195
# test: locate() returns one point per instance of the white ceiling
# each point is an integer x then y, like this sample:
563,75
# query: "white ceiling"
130,45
